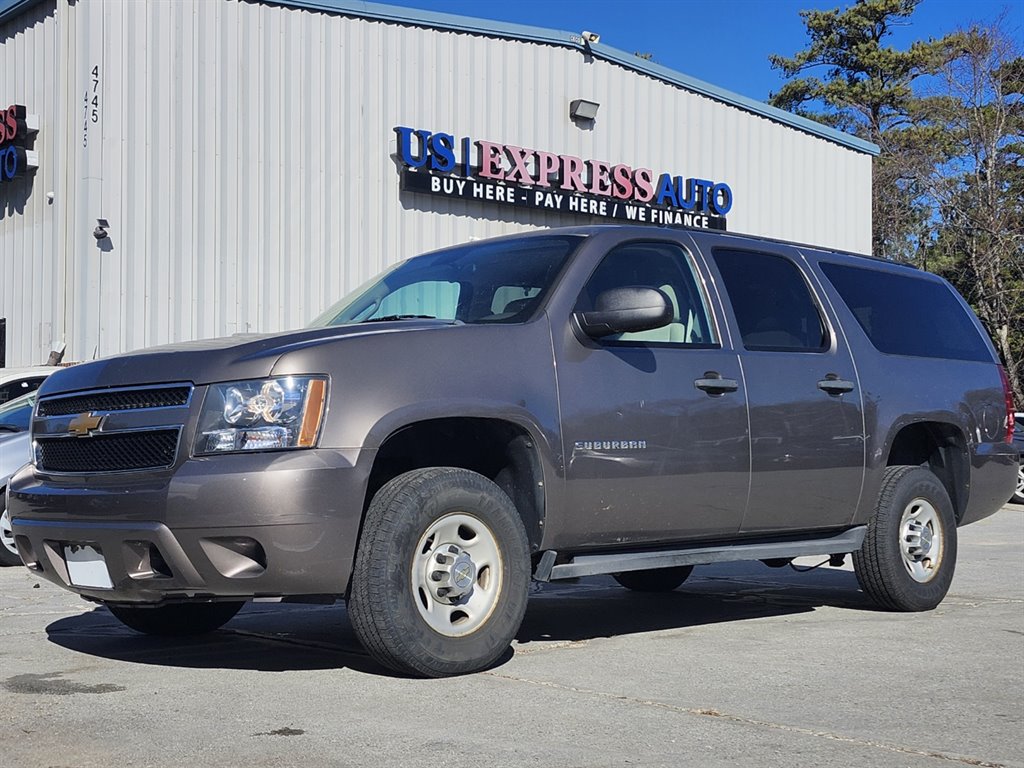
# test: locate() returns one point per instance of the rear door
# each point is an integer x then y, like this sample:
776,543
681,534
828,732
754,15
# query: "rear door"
806,414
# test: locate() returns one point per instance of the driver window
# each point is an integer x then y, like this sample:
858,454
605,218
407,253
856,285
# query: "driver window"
664,266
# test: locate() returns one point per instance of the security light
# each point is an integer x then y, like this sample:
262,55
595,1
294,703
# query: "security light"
581,109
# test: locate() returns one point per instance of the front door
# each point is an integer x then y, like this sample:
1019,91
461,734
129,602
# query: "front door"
654,423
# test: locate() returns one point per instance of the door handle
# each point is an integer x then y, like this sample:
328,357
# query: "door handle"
714,384
834,385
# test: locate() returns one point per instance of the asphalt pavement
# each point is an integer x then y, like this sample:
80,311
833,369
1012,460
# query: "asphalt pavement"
742,665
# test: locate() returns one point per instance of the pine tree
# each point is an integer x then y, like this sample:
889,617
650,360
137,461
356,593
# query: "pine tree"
850,79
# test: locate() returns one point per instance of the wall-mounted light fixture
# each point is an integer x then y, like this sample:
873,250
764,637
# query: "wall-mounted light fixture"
581,109
590,38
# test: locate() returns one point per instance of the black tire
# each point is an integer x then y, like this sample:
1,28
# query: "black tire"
892,551
8,554
176,619
654,580
394,602
1018,494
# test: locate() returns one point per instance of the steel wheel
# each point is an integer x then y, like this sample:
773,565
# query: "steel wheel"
921,540
442,573
456,574
909,553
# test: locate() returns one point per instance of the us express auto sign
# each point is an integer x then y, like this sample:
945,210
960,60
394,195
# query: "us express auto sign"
16,130
506,174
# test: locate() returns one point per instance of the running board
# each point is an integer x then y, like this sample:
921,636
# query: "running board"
592,565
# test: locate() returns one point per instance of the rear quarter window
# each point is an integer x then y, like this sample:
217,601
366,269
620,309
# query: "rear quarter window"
906,315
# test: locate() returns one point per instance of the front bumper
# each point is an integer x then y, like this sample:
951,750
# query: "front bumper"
233,527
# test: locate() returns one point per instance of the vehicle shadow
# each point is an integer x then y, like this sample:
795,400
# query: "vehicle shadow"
599,607
262,637
286,637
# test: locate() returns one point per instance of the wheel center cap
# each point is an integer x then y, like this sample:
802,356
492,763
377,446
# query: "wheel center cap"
452,573
926,541
463,573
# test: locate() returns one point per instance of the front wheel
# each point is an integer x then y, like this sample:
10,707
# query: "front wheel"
176,619
909,553
441,575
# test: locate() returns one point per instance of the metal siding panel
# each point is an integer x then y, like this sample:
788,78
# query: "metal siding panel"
205,116
156,70
184,174
31,268
114,322
230,178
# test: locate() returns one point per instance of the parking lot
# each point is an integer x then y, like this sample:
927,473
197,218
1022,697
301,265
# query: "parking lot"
743,665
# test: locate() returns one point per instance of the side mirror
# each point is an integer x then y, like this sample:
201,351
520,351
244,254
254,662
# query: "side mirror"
626,310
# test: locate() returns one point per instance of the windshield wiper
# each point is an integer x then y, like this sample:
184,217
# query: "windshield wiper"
10,428
399,317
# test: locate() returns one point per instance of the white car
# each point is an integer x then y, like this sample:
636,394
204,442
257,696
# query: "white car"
1018,440
15,382
15,452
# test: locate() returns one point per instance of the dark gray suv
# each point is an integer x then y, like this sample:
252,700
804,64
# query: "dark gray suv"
618,400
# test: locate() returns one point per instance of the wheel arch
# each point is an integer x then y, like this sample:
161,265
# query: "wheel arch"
940,447
503,451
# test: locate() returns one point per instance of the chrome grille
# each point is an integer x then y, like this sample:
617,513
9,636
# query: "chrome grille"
116,400
118,452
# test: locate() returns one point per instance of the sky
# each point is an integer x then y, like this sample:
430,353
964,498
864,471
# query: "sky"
724,42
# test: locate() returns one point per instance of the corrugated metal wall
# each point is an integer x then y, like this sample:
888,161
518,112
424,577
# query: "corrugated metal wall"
32,260
242,156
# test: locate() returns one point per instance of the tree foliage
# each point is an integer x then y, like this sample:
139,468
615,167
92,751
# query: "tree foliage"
850,79
948,184
976,190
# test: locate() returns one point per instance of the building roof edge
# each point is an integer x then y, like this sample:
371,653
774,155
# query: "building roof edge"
446,21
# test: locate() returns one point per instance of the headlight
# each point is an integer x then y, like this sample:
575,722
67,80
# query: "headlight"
261,415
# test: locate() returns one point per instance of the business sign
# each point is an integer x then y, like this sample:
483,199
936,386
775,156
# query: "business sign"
504,174
16,131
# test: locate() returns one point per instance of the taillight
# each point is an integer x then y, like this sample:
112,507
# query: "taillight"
1008,396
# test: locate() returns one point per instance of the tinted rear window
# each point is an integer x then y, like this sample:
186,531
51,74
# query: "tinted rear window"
905,315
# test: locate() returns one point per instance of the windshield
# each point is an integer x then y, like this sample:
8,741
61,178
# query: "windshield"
487,282
16,414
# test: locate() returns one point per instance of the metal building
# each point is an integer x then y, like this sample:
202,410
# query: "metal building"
178,169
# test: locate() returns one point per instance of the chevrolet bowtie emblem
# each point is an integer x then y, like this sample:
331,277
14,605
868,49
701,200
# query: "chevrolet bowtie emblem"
83,424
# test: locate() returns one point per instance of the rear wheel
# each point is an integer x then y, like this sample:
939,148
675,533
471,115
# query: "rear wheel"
909,553
8,551
1018,495
441,575
176,619
654,580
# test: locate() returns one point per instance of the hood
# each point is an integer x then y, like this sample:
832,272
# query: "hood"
230,358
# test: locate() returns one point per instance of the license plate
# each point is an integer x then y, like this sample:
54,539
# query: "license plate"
86,567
